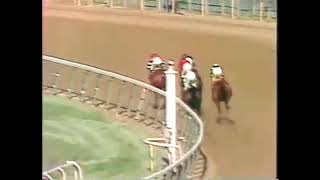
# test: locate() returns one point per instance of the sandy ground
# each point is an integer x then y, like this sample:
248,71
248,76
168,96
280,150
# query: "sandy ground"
121,41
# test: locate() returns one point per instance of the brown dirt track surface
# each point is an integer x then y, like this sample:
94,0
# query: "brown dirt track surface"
120,41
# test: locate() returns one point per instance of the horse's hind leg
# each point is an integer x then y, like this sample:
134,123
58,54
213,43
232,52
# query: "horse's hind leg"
219,107
227,106
219,112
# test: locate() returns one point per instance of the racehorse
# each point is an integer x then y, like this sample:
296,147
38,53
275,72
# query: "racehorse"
221,92
157,79
191,90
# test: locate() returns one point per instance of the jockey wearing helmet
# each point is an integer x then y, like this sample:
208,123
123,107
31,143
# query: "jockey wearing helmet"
182,66
189,80
216,72
185,68
155,62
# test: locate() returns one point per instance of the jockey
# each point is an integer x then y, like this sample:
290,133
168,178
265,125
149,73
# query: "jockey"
185,59
154,62
189,79
185,68
216,72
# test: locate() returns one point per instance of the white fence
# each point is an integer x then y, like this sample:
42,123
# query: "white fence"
61,171
130,99
263,10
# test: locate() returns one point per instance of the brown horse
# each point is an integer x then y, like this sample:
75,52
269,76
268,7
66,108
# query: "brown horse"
191,91
157,79
221,92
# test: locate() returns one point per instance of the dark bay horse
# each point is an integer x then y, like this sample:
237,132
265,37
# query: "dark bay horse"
221,92
191,90
157,79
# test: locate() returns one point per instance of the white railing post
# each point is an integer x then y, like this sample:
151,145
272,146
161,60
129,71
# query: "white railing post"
232,9
261,10
159,5
206,7
141,5
173,6
111,3
48,176
171,109
63,174
254,4
75,164
202,7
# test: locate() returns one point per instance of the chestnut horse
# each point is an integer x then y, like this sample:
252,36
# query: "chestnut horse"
221,92
157,79
191,91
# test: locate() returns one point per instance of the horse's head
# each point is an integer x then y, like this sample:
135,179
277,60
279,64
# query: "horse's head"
157,78
190,80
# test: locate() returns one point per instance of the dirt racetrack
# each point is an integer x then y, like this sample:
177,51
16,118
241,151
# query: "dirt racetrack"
121,41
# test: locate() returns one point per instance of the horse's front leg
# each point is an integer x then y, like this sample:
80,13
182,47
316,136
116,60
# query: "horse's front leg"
218,107
228,107
219,111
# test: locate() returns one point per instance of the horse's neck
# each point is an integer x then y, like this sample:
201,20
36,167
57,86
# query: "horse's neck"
217,84
157,72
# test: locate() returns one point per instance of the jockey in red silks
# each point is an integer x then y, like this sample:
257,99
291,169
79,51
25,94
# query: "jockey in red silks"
185,64
155,61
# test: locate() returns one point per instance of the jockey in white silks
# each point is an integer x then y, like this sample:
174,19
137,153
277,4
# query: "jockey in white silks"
189,80
216,72
155,62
